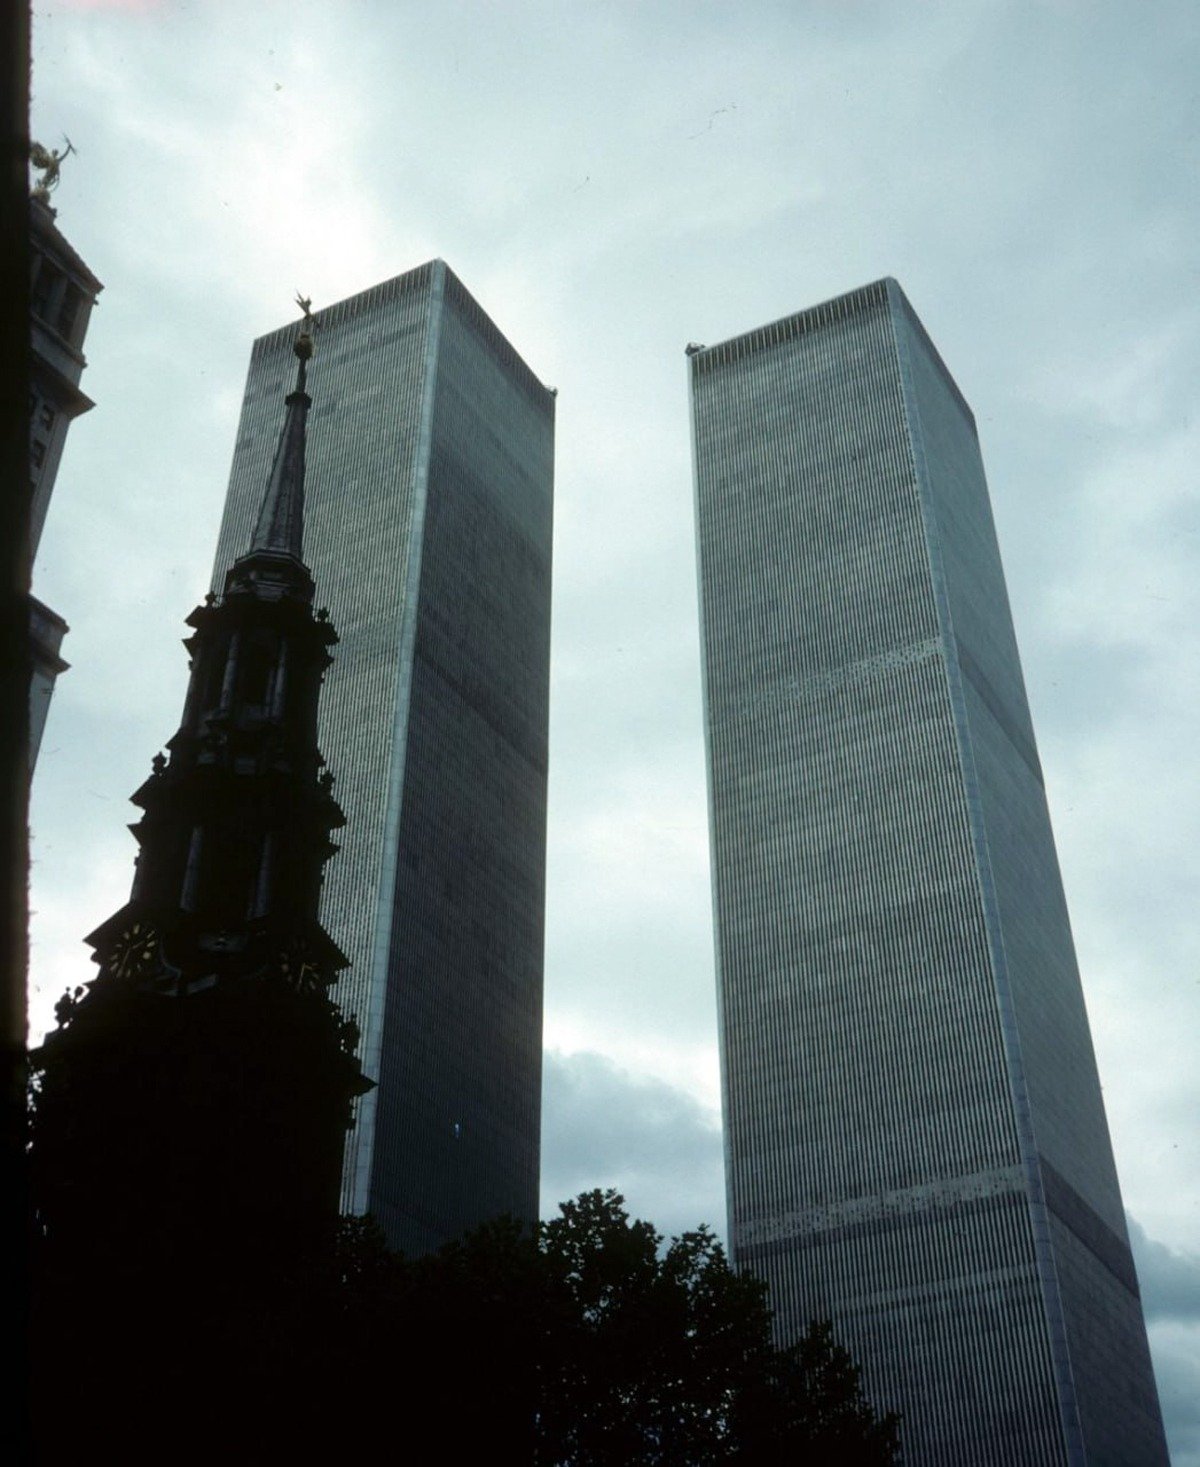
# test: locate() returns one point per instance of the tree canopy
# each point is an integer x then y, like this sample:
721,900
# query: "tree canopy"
590,1340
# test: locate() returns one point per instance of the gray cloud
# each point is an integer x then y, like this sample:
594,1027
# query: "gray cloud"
1176,1352
1169,1278
605,1127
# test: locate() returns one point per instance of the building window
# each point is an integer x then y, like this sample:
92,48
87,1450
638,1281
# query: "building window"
37,453
46,416
258,662
48,278
68,315
229,874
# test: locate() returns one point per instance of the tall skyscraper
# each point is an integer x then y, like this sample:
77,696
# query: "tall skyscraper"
916,1144
428,529
62,295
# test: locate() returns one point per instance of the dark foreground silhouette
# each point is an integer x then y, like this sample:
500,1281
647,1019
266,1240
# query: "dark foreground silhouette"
196,1297
238,1334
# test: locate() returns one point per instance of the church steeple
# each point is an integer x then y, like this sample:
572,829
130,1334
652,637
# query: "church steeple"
280,527
273,563
237,822
205,1078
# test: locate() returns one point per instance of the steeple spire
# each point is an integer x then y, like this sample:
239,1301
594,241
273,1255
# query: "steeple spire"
280,527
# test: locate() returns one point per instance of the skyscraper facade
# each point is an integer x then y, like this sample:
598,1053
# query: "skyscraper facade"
916,1144
428,529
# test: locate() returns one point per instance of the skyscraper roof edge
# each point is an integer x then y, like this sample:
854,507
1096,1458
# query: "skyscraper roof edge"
416,278
887,290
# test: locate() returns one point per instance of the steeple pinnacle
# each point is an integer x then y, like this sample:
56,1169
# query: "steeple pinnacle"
280,526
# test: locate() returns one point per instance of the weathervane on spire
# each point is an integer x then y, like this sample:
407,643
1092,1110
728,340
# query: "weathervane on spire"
50,164
304,342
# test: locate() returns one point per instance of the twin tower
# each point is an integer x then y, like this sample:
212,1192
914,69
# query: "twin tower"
915,1138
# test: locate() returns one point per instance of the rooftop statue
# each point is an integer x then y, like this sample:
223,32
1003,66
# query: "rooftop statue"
50,164
307,326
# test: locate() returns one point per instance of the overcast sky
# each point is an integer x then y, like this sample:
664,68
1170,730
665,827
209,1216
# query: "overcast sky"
612,180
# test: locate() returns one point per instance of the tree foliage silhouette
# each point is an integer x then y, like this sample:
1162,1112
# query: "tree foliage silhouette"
588,1342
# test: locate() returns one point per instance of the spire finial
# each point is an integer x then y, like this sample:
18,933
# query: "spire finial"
304,345
280,526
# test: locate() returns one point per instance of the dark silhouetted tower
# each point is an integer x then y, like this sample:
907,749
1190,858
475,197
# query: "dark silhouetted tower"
202,1084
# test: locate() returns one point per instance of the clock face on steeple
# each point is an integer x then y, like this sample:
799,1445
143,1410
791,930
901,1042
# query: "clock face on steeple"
296,966
135,953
